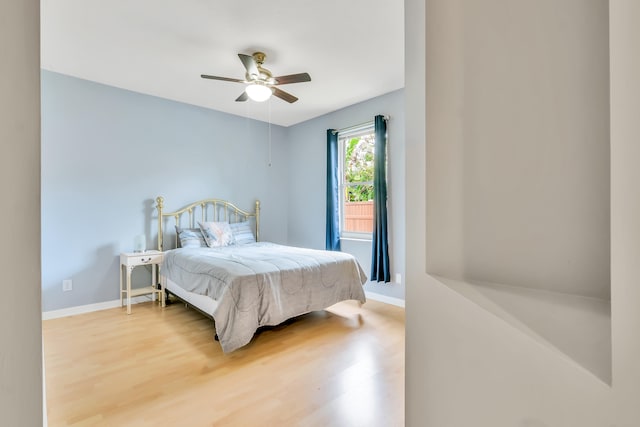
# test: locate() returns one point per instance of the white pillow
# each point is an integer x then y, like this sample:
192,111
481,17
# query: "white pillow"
216,234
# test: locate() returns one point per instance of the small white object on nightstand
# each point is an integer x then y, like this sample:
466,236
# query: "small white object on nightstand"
130,260
140,243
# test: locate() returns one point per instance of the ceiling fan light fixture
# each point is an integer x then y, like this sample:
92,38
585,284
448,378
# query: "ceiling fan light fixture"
260,84
258,92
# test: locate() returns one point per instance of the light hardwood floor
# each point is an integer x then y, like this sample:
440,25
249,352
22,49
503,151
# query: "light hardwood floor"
160,367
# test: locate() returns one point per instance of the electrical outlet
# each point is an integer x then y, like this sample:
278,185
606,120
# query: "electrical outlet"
398,278
67,285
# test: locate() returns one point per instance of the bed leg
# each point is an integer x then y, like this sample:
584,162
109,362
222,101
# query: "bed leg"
215,337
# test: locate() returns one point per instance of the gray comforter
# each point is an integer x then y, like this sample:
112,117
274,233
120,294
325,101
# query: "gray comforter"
263,283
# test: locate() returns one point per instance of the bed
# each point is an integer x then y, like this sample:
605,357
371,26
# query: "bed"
214,261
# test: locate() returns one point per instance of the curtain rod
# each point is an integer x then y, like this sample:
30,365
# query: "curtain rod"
354,127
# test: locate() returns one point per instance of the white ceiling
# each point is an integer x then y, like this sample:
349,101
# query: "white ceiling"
353,49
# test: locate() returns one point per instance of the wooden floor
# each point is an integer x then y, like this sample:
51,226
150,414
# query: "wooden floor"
161,367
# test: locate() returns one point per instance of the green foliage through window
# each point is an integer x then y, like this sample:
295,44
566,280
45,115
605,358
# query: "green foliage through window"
358,171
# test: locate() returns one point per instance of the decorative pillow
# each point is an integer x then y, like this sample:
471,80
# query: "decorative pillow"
217,234
190,238
242,233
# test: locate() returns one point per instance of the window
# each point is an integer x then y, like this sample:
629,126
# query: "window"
356,160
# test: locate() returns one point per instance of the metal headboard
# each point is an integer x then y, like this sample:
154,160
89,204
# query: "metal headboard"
209,210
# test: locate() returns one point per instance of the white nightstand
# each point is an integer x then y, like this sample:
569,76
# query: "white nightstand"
129,261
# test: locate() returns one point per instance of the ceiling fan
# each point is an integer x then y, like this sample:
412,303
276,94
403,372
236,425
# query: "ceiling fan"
260,82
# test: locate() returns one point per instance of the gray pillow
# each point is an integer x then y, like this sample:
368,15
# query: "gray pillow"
190,238
242,232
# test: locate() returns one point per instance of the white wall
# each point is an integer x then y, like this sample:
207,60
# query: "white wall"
417,404
518,157
307,182
465,366
625,207
20,319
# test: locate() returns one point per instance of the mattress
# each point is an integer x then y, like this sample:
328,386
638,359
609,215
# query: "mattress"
202,302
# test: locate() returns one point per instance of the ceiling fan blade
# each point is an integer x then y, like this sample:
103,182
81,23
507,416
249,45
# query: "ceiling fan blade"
293,78
284,95
226,79
243,97
250,64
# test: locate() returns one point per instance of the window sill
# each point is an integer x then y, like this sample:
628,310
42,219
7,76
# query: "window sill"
357,239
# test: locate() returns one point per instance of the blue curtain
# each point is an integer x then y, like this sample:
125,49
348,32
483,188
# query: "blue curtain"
333,193
380,245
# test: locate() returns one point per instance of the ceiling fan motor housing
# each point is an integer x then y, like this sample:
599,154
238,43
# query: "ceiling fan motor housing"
264,74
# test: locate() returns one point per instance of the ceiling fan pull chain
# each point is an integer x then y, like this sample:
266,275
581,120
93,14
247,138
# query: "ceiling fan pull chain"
269,132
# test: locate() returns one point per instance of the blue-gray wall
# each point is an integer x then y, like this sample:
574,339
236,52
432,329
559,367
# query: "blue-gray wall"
107,153
307,197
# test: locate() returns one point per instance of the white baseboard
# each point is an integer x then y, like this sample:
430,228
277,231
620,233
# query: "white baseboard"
383,298
81,309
